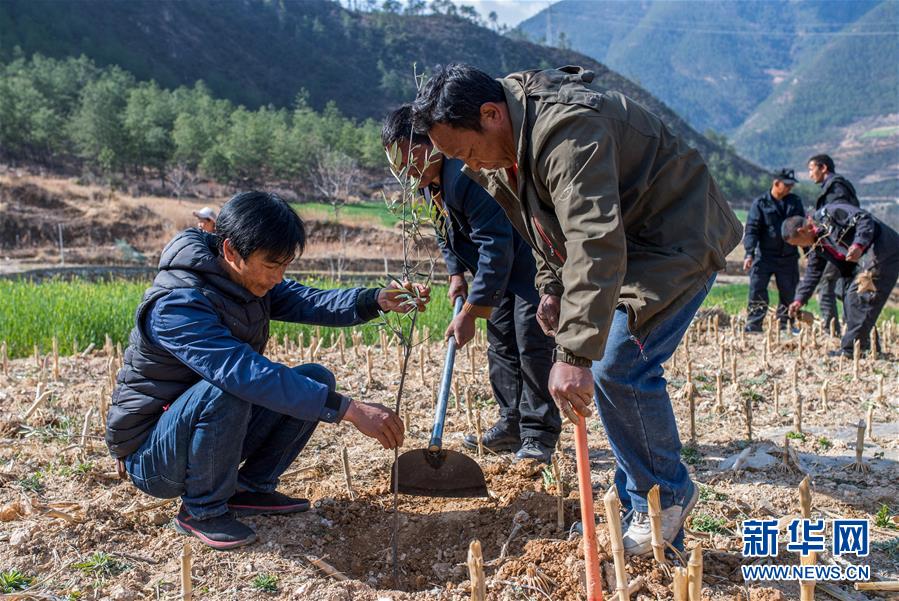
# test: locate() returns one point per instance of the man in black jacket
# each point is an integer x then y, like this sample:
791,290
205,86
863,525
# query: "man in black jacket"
853,241
834,188
766,252
479,239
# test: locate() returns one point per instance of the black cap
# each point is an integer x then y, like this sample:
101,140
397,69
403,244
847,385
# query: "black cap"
787,176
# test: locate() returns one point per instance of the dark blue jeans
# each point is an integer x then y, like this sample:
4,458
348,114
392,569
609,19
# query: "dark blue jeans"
197,446
633,403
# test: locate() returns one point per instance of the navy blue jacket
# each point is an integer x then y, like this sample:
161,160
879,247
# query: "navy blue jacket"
762,233
844,226
481,239
196,324
836,188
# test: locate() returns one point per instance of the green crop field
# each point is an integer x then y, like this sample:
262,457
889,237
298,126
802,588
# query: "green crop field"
364,213
32,313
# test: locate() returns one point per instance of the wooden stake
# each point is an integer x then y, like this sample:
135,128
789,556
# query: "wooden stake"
797,412
348,476
883,585
655,523
55,358
873,342
880,398
869,422
187,586
421,365
383,342
719,397
39,397
859,465
694,574
368,365
795,376
733,367
806,589
560,494
327,568
468,412
856,356
747,412
85,447
315,348
691,397
613,520
456,396
87,351
341,344
476,571
833,327
479,429
681,591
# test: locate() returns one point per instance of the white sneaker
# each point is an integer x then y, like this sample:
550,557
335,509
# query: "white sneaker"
638,536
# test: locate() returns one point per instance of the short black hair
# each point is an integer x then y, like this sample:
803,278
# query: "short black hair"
823,159
453,96
398,127
261,221
791,226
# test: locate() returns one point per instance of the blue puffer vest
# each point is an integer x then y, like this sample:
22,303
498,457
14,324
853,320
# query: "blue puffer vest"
151,377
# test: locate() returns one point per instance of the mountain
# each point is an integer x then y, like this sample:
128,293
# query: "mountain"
261,52
784,78
843,99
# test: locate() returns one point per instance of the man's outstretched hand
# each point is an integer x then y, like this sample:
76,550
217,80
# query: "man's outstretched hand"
402,298
376,421
793,309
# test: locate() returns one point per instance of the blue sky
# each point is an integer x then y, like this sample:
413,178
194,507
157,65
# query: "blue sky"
510,12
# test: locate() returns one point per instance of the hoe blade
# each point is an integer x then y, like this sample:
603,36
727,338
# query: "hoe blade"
442,474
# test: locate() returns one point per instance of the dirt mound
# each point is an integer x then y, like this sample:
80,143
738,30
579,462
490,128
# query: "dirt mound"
31,216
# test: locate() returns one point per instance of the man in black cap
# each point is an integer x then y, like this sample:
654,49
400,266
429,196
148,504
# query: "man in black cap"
767,253
834,188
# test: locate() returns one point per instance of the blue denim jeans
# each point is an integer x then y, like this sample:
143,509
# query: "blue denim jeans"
633,403
197,446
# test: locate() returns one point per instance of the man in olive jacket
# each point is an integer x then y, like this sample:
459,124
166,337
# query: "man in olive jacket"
628,229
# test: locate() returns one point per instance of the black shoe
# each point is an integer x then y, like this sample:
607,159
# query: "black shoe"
838,353
498,439
753,329
262,503
221,532
532,448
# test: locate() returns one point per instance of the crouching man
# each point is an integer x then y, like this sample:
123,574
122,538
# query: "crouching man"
198,411
857,244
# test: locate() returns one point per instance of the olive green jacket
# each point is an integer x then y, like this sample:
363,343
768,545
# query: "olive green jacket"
618,210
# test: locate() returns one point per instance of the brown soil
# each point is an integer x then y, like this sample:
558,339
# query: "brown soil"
59,503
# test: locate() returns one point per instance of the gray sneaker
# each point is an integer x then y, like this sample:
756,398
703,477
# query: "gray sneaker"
638,536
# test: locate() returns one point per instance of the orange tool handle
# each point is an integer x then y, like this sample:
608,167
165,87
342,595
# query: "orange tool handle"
585,490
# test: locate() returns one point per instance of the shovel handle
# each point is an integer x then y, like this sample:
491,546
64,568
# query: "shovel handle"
585,492
443,396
